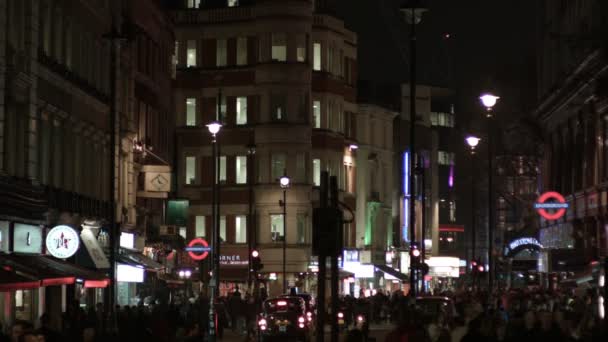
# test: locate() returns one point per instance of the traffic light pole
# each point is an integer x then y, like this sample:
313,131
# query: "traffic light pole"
320,328
333,187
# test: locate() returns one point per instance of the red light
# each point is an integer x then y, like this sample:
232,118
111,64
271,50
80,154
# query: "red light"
281,303
480,268
416,253
301,320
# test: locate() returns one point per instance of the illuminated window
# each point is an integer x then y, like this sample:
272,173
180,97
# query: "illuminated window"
316,65
190,170
241,110
278,106
199,225
301,47
445,158
241,229
316,114
316,172
191,54
190,111
279,47
222,53
277,232
193,3
223,228
222,174
279,163
241,170
233,3
241,51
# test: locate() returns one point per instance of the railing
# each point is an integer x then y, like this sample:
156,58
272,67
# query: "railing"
191,17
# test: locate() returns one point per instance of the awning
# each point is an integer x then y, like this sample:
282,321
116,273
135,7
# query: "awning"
51,271
342,274
10,281
137,259
393,272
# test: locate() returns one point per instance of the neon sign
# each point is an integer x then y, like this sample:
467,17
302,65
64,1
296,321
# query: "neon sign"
524,241
197,246
541,205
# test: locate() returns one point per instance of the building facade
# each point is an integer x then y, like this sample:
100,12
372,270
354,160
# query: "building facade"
280,77
571,113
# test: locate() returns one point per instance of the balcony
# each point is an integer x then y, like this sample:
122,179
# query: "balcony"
213,16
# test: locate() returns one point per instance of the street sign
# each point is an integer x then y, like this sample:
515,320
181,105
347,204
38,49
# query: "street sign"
198,249
560,207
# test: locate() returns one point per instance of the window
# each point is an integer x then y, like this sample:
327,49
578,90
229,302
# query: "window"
301,47
241,110
241,51
190,170
301,237
191,54
221,56
316,172
300,168
277,231
330,108
442,119
223,228
222,169
194,3
240,235
199,226
445,158
278,106
233,3
222,114
316,65
241,170
330,59
190,111
279,47
278,166
316,114
340,119
182,232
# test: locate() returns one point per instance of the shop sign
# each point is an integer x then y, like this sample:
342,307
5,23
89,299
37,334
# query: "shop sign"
233,260
129,274
177,212
551,205
27,239
127,240
95,252
198,249
62,242
524,241
4,236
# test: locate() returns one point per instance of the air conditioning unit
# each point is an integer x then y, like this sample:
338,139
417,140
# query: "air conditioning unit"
168,230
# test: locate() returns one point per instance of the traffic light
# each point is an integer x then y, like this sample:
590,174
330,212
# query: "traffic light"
256,262
415,253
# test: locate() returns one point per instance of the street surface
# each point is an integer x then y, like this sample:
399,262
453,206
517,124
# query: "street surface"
378,333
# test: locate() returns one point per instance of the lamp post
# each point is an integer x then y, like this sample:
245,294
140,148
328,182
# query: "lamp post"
489,101
472,141
251,229
214,129
412,10
284,182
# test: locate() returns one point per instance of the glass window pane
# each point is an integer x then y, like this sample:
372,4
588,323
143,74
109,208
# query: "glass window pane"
222,115
199,225
279,47
241,229
278,166
301,47
316,114
241,110
277,232
222,169
278,106
301,238
191,54
190,170
316,173
241,170
223,228
317,56
190,112
222,53
241,51
233,3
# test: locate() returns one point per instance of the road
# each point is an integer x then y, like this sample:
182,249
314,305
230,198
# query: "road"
377,333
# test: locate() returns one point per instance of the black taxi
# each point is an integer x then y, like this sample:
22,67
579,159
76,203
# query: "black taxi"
284,318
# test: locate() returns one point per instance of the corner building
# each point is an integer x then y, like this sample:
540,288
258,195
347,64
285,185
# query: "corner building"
284,73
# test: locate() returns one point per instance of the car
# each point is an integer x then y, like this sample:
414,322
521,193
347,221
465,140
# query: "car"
309,302
283,318
432,306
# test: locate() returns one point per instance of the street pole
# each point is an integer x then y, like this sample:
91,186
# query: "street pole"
284,241
250,226
473,216
490,210
333,191
423,213
412,182
321,280
214,218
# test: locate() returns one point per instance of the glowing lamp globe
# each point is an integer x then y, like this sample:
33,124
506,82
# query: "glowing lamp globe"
214,127
284,181
488,100
255,254
472,141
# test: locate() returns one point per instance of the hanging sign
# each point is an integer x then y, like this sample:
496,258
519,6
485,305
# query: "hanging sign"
557,210
62,242
198,249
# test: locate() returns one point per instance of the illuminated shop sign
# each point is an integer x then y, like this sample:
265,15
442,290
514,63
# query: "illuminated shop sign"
62,242
553,210
524,241
198,249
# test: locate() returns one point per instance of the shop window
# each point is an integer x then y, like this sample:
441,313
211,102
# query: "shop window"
222,53
301,47
190,111
277,231
241,110
241,51
200,226
23,305
222,175
316,114
223,229
302,233
190,170
278,166
316,65
279,47
316,172
241,170
241,229
191,54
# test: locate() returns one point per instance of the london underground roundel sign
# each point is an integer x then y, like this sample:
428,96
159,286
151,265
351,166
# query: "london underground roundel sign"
553,210
198,249
62,241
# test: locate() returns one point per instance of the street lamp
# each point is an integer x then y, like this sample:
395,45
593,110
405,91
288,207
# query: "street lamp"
214,128
413,11
284,182
489,101
473,141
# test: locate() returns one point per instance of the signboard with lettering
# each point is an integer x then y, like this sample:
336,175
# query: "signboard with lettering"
62,242
234,256
27,239
94,248
522,242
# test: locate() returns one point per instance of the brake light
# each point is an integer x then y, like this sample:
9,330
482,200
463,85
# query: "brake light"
301,325
340,315
281,303
360,318
262,322
301,320
309,315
